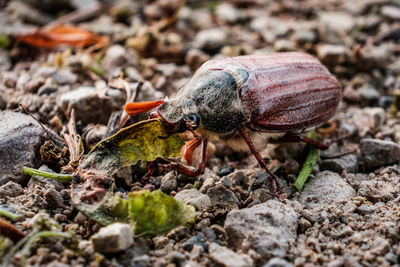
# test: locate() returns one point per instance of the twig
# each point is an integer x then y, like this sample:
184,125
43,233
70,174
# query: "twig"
65,178
53,136
4,212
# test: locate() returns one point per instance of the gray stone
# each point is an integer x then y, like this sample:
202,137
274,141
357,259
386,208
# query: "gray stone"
377,190
269,229
222,199
278,262
169,182
302,36
391,12
346,260
20,140
11,189
116,56
207,184
195,198
210,39
64,76
376,153
113,238
380,246
331,54
283,45
89,107
23,79
226,257
227,12
54,198
348,163
5,62
326,188
371,56
337,21
368,92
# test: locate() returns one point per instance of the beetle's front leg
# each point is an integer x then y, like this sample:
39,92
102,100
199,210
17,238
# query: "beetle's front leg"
187,153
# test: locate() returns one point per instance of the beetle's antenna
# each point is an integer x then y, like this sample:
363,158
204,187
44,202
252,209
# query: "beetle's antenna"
136,108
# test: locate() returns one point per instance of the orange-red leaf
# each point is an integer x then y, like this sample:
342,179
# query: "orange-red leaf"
58,35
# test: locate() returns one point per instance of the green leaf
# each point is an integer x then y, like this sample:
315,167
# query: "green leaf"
155,212
308,165
138,142
148,213
111,209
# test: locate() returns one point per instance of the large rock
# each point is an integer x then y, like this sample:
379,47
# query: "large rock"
376,153
20,140
326,188
269,228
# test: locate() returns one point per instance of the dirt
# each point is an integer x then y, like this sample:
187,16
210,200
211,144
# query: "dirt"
348,212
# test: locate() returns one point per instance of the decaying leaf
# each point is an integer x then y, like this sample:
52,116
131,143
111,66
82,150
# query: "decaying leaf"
60,34
92,184
156,212
130,145
149,213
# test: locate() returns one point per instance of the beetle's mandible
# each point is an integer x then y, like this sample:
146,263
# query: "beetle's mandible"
247,102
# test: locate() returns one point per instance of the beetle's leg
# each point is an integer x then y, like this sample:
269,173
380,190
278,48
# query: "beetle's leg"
191,170
260,160
188,149
292,137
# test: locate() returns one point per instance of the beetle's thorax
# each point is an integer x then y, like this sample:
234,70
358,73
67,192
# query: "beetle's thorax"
214,95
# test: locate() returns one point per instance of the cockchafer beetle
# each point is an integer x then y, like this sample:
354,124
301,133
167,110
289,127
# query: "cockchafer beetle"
247,102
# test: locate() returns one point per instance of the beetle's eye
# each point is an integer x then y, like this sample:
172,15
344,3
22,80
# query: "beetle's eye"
193,120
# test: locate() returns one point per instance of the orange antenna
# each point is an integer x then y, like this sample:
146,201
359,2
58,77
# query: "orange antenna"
136,108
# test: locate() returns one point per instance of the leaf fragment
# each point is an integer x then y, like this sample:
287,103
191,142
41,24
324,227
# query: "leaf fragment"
138,142
52,37
308,165
155,212
149,213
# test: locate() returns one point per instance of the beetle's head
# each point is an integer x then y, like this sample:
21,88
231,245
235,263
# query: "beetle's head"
179,115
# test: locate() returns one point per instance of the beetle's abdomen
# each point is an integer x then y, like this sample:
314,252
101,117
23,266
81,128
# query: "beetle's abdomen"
285,91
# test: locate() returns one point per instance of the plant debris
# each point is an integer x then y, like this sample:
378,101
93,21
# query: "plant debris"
60,35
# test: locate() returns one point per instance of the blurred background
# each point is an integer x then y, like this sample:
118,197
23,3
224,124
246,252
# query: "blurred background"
164,41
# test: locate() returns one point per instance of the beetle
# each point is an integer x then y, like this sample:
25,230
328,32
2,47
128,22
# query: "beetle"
247,102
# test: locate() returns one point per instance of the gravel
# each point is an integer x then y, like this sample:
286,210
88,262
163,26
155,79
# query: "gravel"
113,238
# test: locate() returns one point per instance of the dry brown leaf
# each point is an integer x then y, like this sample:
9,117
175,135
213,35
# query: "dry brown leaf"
59,35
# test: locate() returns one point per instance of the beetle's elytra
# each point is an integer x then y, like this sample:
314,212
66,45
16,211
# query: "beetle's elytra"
248,101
